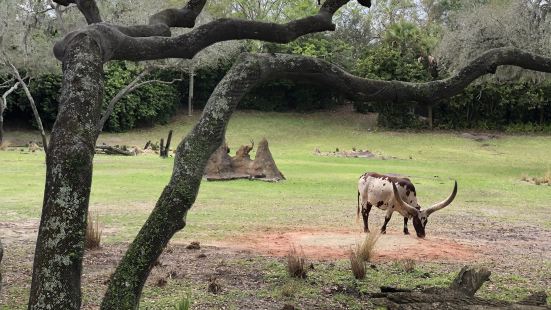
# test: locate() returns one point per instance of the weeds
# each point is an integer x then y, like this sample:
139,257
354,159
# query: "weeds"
358,265
408,265
289,289
296,263
93,233
184,303
545,179
366,249
4,145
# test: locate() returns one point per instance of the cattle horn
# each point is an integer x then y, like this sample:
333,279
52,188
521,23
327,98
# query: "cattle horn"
444,203
411,210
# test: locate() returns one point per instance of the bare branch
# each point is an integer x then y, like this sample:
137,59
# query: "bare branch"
125,90
18,77
132,86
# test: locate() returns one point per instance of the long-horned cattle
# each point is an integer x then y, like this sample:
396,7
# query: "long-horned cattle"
391,193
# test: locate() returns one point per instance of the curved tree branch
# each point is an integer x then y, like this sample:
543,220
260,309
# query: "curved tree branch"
129,43
320,71
88,8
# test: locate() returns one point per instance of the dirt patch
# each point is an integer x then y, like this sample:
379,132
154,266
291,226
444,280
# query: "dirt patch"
352,153
21,231
324,245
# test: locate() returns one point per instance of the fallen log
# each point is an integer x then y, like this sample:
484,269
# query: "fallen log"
460,295
114,150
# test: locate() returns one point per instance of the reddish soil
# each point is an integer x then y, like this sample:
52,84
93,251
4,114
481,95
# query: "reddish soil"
330,245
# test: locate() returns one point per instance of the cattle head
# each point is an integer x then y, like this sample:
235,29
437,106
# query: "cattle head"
420,217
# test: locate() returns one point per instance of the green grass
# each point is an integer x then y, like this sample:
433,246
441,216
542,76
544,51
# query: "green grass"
319,192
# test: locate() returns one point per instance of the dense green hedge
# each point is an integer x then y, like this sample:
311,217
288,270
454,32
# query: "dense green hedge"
516,106
149,104
281,95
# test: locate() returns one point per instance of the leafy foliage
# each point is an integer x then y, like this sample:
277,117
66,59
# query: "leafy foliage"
149,104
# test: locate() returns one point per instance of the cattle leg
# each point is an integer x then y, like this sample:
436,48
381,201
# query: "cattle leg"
406,232
365,215
387,219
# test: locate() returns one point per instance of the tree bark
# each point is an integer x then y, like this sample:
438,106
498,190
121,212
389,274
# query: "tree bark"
60,246
190,91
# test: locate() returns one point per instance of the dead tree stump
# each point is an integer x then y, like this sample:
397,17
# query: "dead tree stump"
1,255
460,295
166,149
222,167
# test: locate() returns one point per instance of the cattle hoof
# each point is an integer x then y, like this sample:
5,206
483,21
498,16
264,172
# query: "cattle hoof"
366,230
406,232
383,232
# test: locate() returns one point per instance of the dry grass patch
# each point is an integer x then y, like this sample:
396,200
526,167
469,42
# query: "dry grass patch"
296,263
289,289
5,145
93,233
408,265
366,249
358,265
545,179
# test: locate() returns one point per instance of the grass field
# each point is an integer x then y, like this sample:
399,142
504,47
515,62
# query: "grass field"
320,192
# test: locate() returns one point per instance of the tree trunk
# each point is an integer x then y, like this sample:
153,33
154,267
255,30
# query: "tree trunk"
170,212
190,92
60,246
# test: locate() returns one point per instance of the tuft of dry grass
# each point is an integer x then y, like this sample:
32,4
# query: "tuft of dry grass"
366,249
545,179
358,265
289,289
93,233
4,145
214,287
296,263
408,264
